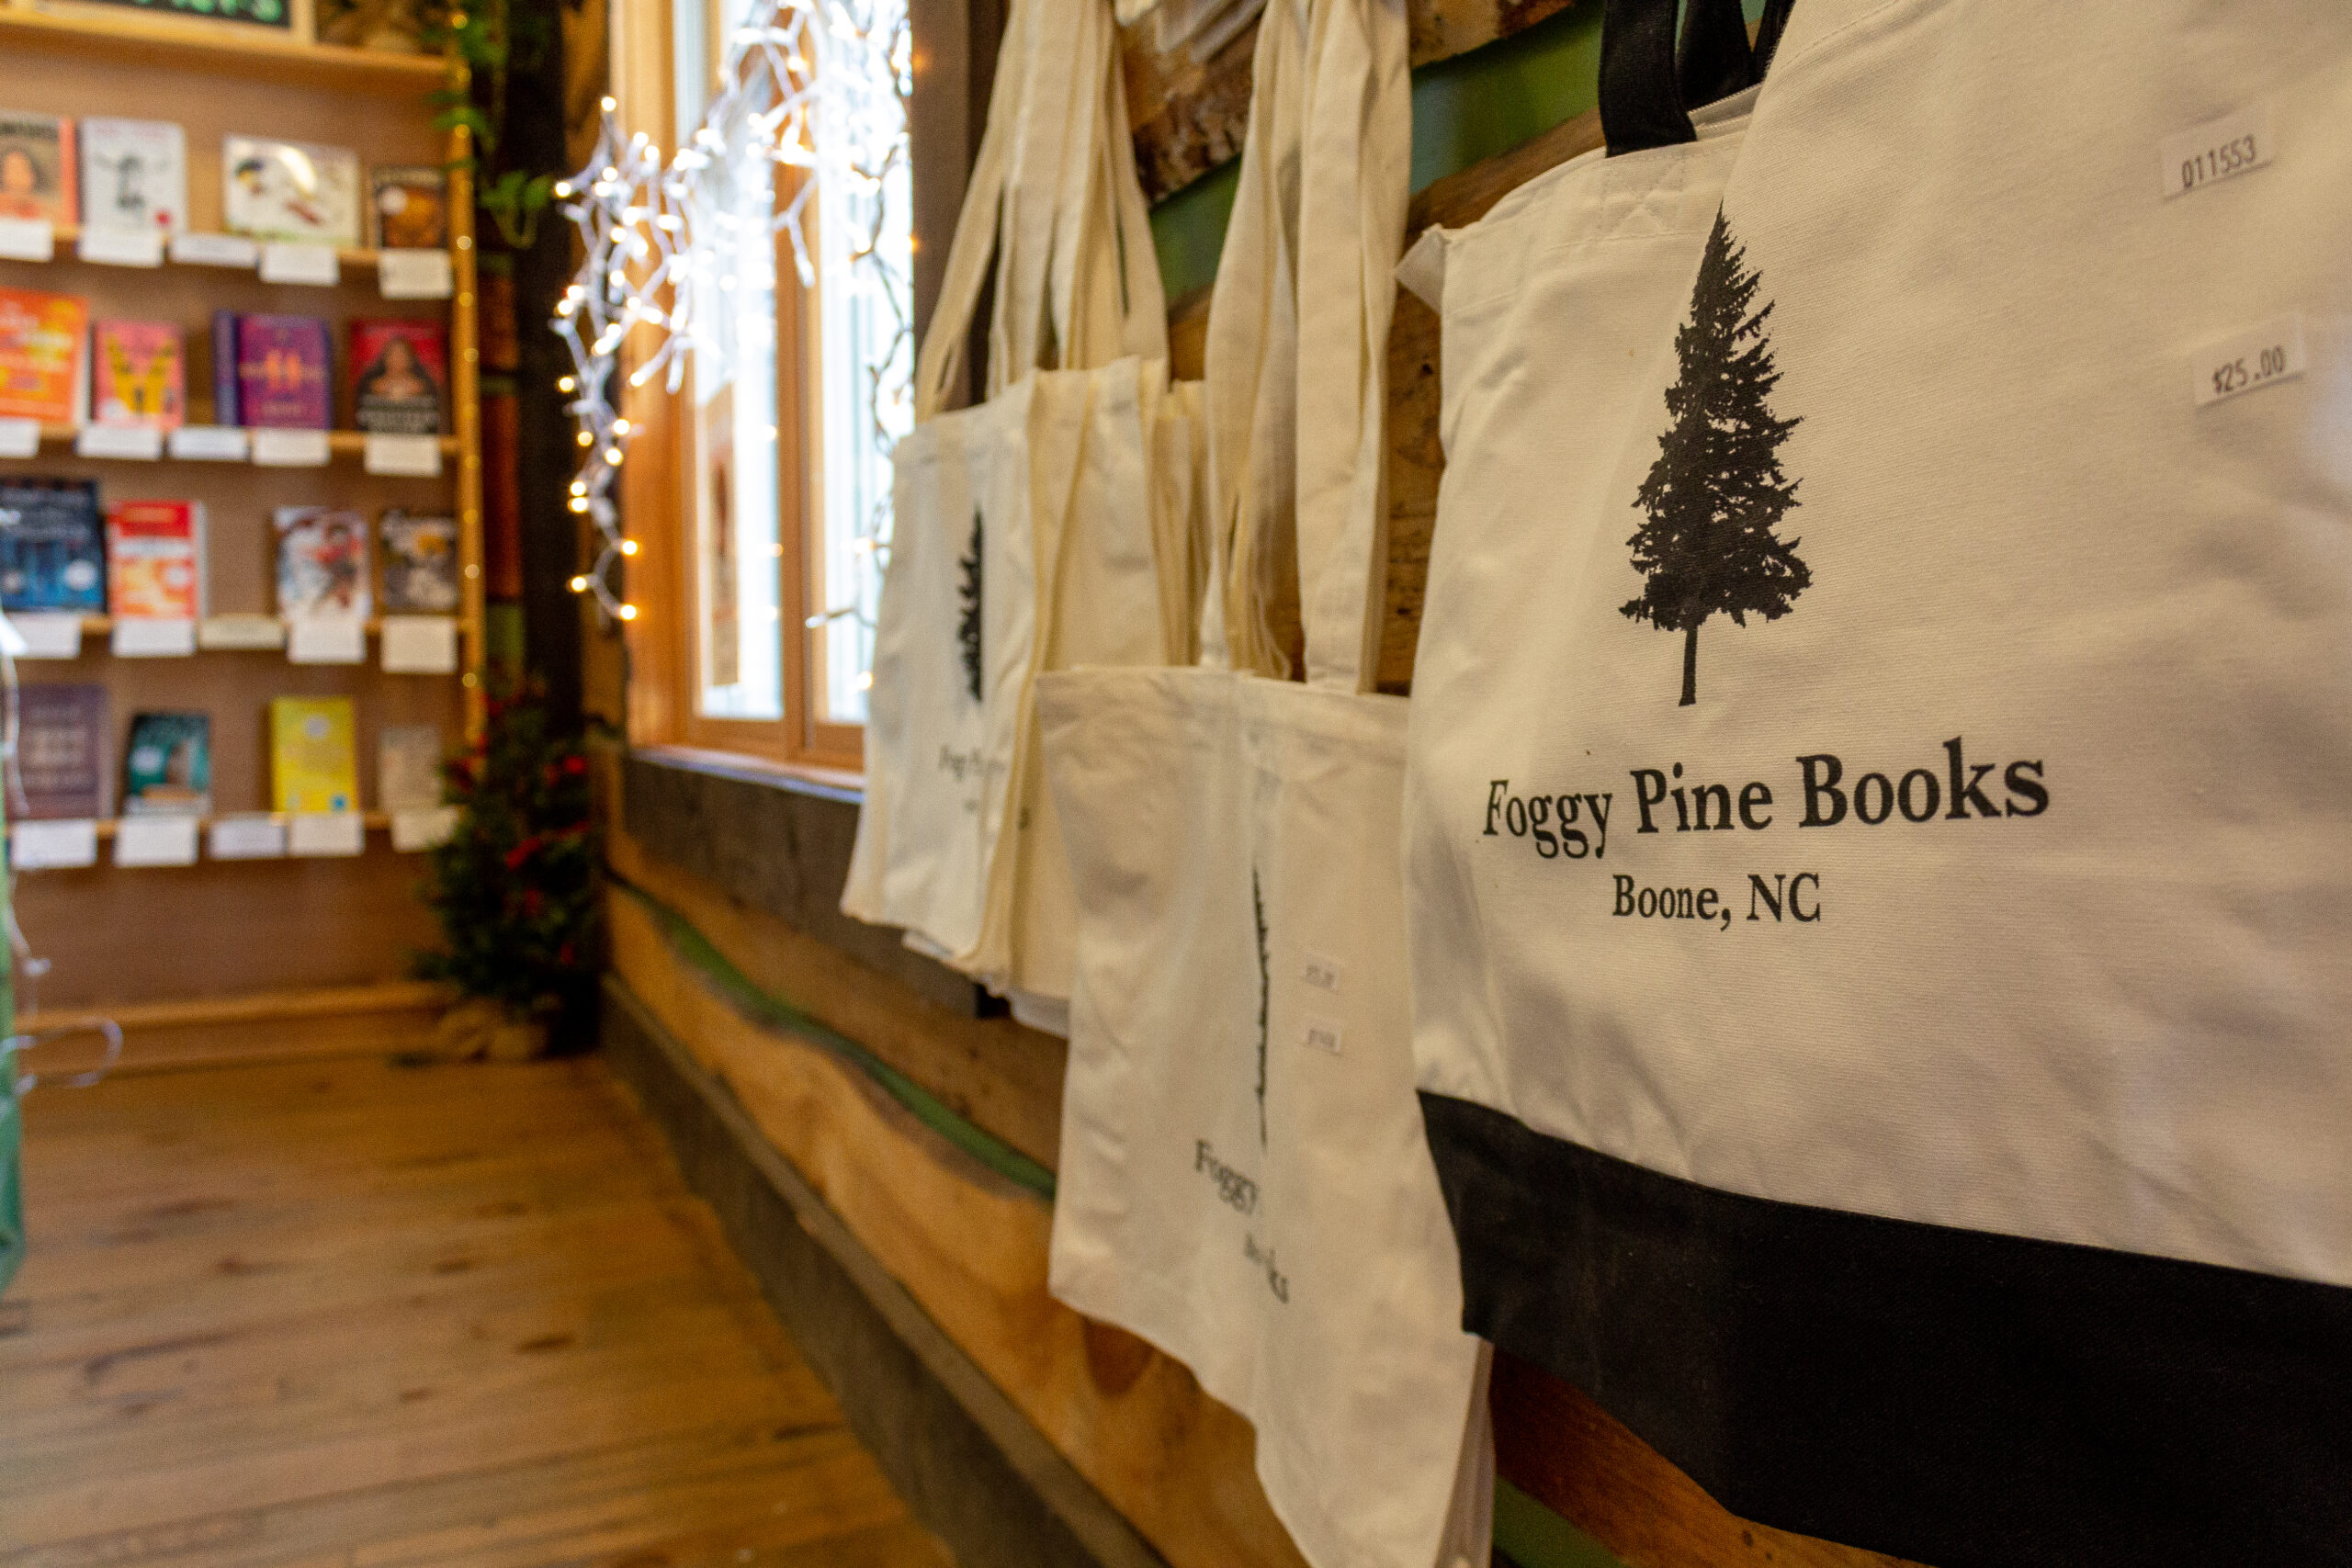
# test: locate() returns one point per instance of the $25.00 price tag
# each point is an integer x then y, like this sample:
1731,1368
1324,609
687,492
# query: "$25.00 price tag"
2268,354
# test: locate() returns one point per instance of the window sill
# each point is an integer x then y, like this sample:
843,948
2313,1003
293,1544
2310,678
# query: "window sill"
801,778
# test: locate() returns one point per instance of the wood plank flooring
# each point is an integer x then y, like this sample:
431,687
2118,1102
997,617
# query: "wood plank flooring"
301,1314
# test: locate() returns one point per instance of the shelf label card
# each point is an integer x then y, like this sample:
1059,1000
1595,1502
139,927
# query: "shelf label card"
123,247
139,443
242,631
215,250
423,828
415,275
316,265
19,437
52,846
28,239
2268,354
155,840
140,638
290,448
47,634
326,833
420,645
2216,151
417,456
210,444
326,639
247,838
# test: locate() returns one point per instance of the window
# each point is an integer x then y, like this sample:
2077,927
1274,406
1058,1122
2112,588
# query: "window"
765,532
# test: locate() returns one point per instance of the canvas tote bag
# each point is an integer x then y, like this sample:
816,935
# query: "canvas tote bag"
1880,798
1244,1179
982,497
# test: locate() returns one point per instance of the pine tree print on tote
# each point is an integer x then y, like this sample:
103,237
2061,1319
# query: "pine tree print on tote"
968,629
1716,491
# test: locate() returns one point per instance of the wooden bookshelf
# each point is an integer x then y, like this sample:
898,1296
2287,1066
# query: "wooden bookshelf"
375,821
340,444
350,258
276,933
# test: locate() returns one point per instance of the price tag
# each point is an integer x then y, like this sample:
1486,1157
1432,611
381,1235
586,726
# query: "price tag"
420,645
155,840
2216,151
241,632
138,638
210,444
415,275
417,456
2249,362
123,247
326,833
422,828
1320,972
326,639
19,437
290,448
247,838
28,239
316,265
215,250
1323,1033
140,442
48,635
49,846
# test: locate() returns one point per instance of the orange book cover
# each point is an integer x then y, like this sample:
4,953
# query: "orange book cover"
155,560
42,339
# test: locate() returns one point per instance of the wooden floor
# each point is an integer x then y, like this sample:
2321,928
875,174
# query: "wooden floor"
350,1312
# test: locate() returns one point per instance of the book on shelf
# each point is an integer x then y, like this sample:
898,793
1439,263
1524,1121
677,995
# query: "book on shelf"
407,767
167,766
52,546
155,559
398,368
417,557
411,208
321,562
37,166
313,759
285,375
61,748
43,359
134,175
138,374
290,190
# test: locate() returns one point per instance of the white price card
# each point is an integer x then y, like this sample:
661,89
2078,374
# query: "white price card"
326,639
424,828
2268,354
140,638
215,250
241,631
314,265
290,448
155,840
2216,151
123,247
326,833
139,443
48,635
210,444
1323,1033
19,437
417,456
414,274
251,837
28,239
420,645
49,846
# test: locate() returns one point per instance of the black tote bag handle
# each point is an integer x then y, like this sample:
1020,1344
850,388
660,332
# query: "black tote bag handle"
1649,81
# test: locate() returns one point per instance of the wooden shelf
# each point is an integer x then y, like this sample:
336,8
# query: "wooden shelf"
350,258
223,46
340,444
100,624
376,821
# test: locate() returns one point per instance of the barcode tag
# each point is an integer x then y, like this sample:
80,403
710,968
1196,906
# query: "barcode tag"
1320,972
250,837
1323,1033
215,250
28,239
290,448
420,645
35,846
414,456
138,637
414,274
2215,150
210,444
2268,354
326,639
123,247
315,264
326,833
19,437
140,443
241,631
155,840
423,828
48,635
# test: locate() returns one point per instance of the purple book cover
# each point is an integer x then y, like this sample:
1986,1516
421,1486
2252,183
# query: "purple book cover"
285,373
225,367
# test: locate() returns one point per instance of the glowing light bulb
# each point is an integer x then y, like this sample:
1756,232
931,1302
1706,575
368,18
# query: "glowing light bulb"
628,611
620,427
578,503
609,105
565,383
866,681
586,439
628,547
580,585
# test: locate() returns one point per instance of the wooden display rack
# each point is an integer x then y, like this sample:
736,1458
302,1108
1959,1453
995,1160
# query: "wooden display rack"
194,958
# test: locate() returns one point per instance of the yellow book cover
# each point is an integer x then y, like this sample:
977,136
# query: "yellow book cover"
313,759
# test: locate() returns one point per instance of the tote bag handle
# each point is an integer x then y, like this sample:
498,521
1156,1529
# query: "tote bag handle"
1649,83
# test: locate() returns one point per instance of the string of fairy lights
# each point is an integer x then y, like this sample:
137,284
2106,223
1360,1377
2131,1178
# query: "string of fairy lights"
812,98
